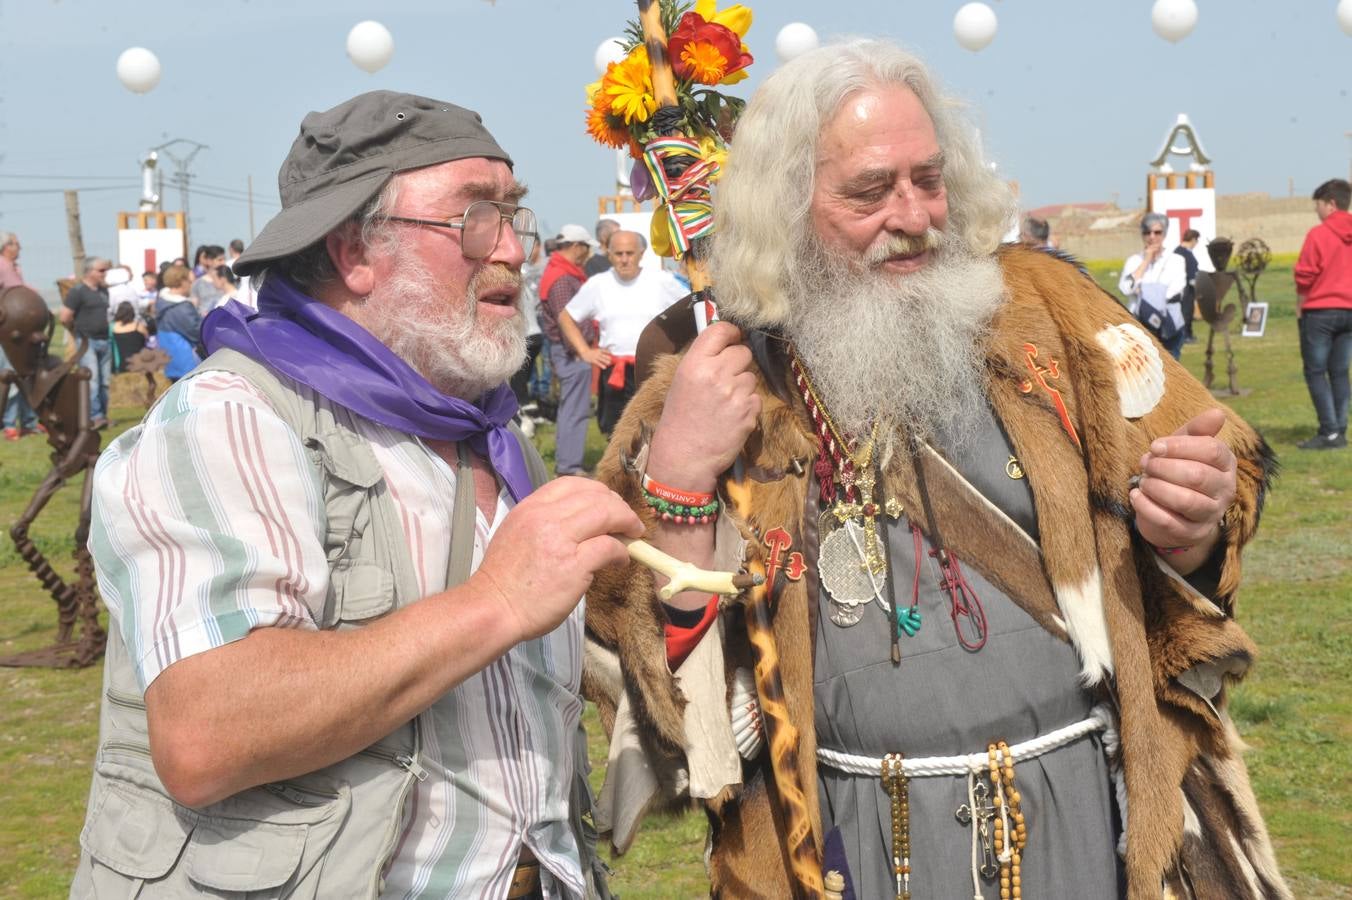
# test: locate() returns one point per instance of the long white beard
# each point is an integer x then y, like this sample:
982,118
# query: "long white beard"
446,342
901,350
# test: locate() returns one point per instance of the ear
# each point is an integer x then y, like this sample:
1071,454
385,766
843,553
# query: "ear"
349,259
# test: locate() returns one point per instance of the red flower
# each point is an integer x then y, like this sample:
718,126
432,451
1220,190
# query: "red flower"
705,52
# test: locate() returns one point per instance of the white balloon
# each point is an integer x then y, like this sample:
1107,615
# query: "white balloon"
370,45
611,50
138,69
974,26
795,39
1173,20
1345,16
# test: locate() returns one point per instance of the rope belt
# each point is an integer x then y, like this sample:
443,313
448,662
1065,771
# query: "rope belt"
1100,719
895,770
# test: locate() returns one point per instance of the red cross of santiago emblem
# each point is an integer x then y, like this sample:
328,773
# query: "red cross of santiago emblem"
779,542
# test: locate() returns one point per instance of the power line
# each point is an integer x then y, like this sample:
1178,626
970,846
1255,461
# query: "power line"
86,189
223,189
66,177
201,193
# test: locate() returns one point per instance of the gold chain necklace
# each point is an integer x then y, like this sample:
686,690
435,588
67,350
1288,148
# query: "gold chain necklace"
840,455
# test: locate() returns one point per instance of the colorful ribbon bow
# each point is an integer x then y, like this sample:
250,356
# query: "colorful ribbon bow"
686,210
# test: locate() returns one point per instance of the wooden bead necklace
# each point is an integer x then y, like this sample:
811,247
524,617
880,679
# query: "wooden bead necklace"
1010,828
897,786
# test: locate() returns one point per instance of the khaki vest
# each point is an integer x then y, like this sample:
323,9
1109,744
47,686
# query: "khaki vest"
325,834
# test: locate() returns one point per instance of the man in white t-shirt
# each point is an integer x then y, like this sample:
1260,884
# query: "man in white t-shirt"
622,300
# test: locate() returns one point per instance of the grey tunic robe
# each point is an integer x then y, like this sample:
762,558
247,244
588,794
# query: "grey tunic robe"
943,700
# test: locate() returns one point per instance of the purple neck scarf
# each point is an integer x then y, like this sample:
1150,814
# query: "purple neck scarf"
310,342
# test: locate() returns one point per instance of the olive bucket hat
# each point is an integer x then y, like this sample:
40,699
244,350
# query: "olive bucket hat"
344,156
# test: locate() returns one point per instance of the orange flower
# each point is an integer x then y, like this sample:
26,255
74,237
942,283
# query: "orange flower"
701,61
706,46
603,127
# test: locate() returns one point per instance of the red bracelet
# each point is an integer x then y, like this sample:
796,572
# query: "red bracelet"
673,495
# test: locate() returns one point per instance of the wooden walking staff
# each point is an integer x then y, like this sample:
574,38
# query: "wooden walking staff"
781,734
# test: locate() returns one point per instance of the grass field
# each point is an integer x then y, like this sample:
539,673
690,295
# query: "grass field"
1293,710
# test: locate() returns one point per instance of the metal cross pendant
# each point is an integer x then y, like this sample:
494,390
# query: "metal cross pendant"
983,813
872,546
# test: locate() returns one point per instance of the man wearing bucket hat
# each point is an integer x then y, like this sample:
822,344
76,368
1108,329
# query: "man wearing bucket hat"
346,639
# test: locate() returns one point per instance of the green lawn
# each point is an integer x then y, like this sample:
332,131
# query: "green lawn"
1293,710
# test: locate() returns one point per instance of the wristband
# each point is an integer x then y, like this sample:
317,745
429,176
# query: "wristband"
680,513
670,494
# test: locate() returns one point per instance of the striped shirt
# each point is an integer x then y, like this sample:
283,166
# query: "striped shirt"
208,522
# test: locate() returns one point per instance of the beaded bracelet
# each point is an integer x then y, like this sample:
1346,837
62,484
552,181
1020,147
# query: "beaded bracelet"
680,513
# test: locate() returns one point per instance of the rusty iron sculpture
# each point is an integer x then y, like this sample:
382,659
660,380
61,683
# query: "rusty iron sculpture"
58,391
147,362
1253,256
1212,288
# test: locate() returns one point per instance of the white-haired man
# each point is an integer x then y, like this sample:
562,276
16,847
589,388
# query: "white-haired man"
346,638
1000,534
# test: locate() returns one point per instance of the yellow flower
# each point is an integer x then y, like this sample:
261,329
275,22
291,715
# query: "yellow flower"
629,85
736,18
712,150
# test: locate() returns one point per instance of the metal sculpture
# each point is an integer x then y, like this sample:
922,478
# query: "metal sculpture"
1254,256
147,362
58,391
1211,288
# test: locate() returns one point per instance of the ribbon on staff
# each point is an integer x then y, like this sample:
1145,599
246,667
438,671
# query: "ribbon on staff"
685,211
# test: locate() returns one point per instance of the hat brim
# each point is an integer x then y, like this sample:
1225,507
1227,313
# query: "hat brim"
297,227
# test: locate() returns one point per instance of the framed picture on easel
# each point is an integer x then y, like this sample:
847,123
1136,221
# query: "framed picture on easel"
1255,319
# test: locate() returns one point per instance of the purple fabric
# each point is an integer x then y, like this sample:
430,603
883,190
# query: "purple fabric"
309,342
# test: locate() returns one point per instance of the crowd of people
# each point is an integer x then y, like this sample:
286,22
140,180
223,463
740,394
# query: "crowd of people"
112,319
585,311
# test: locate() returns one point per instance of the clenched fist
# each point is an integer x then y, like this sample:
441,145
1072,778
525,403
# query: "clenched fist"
711,409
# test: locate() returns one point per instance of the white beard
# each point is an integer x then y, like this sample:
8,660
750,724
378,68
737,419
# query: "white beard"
459,354
901,350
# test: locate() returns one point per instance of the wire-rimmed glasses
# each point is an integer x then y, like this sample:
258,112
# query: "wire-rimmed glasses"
480,226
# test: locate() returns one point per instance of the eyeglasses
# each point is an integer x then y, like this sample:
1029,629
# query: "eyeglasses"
481,226
1152,232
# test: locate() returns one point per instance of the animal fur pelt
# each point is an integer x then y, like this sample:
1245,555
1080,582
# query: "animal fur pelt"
1164,653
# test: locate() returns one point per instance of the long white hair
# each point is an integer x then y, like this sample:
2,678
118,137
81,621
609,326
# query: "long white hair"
763,198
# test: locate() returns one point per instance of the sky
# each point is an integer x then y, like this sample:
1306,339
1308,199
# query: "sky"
1073,97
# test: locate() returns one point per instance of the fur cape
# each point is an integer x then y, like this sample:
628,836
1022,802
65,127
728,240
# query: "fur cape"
1160,651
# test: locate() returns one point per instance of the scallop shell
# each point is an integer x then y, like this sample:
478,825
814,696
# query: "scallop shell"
747,728
1137,366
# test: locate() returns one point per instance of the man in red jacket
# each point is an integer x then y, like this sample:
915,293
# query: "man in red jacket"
1324,309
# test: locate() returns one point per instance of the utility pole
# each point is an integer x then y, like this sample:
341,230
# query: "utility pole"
183,176
77,249
251,219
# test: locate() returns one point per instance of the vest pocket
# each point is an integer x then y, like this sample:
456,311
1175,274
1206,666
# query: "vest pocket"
266,842
135,832
360,591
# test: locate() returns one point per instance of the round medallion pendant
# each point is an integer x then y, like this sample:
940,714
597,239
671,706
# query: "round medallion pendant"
844,574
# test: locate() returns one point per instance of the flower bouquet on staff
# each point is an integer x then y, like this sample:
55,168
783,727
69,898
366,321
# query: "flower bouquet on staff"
679,142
